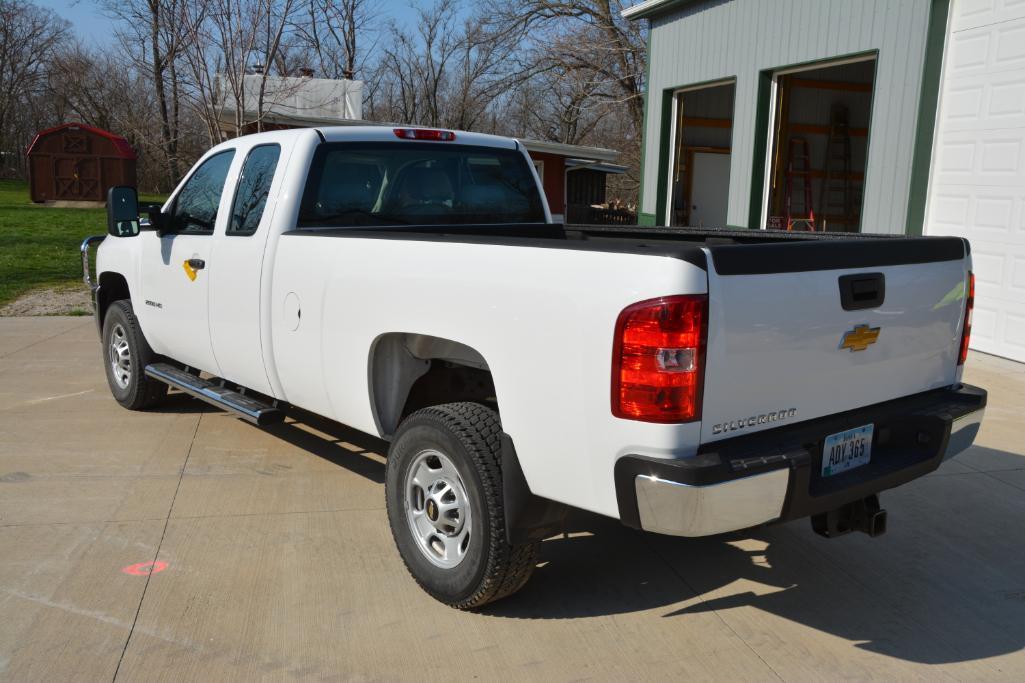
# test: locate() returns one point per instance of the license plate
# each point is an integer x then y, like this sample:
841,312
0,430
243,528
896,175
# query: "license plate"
846,450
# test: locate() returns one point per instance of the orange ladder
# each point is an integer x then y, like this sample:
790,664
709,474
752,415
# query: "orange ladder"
799,171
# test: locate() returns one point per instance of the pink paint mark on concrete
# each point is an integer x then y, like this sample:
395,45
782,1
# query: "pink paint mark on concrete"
144,568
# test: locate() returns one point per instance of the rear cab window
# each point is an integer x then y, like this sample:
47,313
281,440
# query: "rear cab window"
253,189
404,183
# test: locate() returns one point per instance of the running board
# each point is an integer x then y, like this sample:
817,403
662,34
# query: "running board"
246,407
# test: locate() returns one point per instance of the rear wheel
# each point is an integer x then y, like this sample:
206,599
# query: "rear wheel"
125,357
445,507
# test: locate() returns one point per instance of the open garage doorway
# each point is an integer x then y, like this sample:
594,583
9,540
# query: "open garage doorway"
820,130
699,179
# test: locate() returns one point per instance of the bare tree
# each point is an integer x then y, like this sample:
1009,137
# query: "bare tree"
561,70
156,27
448,70
337,36
228,42
585,36
28,39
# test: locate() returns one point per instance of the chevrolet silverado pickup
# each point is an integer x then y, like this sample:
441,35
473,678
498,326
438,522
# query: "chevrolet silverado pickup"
410,283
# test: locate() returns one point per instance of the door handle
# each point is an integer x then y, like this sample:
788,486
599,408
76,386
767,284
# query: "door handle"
197,263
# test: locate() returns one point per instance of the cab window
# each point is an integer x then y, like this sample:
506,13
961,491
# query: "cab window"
253,189
408,183
195,207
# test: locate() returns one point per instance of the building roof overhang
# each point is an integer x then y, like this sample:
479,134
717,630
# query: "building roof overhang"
571,152
650,8
591,165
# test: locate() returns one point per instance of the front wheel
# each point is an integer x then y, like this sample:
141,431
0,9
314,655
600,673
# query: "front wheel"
444,496
125,357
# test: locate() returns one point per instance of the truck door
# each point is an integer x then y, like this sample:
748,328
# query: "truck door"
175,270
236,297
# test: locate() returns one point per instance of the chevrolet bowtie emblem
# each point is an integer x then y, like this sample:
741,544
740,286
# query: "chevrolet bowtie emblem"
860,338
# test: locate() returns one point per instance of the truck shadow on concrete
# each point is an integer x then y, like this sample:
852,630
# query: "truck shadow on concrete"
941,587
351,449
946,583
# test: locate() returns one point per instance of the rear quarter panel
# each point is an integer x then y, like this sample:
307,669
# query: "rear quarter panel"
542,318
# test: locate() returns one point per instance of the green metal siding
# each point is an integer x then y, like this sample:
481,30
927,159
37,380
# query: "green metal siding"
741,39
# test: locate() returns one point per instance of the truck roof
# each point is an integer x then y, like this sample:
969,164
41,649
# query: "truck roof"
370,134
387,134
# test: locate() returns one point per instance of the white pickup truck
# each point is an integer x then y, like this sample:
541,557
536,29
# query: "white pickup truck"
410,283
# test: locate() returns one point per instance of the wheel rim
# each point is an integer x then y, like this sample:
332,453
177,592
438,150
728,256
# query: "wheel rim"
120,356
438,509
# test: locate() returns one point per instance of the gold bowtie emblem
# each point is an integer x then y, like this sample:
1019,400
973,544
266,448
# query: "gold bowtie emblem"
860,338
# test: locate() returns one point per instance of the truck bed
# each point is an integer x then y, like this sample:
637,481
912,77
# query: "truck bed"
733,251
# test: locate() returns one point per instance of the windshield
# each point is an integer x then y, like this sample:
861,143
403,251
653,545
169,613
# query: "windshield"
411,183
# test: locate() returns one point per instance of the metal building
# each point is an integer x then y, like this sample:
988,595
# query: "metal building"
885,116
76,162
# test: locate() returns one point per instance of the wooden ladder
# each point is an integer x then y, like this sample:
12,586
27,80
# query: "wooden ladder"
836,195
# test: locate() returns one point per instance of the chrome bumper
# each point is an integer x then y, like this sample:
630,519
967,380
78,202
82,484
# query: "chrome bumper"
963,431
669,507
677,509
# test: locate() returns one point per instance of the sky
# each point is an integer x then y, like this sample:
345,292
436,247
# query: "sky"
94,28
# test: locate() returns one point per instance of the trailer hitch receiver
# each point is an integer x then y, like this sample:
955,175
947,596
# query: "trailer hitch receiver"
863,515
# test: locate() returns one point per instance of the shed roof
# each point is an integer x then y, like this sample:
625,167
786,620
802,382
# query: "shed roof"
123,150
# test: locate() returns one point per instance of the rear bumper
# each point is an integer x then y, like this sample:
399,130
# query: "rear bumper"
774,475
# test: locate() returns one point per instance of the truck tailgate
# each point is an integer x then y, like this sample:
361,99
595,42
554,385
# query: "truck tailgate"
777,327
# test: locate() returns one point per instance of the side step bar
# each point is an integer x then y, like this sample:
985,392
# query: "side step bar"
246,407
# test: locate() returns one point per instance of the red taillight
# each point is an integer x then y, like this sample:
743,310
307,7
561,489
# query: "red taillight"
658,359
425,134
966,331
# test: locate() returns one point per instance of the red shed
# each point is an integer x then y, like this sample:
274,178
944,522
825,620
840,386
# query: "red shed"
76,162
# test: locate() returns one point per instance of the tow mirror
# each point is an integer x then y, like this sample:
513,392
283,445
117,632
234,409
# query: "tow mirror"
122,211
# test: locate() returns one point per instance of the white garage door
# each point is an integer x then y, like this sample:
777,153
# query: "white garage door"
977,188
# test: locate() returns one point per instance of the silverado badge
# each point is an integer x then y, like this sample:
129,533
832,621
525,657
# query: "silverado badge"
860,338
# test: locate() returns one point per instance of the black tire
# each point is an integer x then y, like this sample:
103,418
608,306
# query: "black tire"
468,434
135,391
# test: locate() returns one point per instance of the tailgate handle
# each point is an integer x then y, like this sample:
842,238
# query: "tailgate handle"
861,291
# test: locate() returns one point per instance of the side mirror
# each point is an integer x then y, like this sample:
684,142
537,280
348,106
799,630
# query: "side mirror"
122,211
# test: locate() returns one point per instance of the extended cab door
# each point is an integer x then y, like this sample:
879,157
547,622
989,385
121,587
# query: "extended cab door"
236,284
175,267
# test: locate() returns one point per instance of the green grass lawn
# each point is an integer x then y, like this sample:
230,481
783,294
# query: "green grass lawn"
39,244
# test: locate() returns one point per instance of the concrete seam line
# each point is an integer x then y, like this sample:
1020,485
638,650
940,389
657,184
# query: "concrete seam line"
376,508
160,544
990,474
97,523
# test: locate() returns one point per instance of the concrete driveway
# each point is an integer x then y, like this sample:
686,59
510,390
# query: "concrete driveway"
276,561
